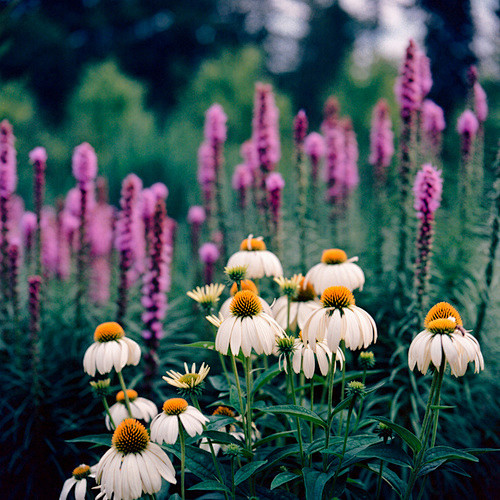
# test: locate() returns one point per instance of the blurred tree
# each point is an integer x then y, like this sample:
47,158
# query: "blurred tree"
450,31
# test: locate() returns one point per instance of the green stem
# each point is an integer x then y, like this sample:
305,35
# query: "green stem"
342,390
294,399
358,416
240,398
248,380
331,373
106,407
183,458
124,389
344,446
312,409
233,487
379,481
426,428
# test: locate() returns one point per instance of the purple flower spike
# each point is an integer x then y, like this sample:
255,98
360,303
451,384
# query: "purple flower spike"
300,125
408,91
480,103
381,139
84,163
209,254
433,125
215,124
241,182
428,188
196,215
467,124
8,161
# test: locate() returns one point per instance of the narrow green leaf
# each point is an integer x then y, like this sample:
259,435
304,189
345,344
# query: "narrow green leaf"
234,400
315,482
342,405
275,455
447,453
211,485
247,470
391,478
100,439
282,478
202,344
297,411
387,452
442,407
218,422
455,469
198,461
265,377
408,437
272,437
222,437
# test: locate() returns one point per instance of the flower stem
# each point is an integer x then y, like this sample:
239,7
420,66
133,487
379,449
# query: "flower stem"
106,407
233,487
294,399
312,409
426,428
358,416
124,389
248,379
379,481
183,458
349,414
342,390
331,373
240,398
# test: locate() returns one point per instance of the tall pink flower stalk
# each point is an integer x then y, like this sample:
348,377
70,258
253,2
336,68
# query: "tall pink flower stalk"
50,250
38,158
28,230
196,217
467,127
14,253
427,189
351,156
334,164
8,183
432,125
101,245
209,254
129,239
300,126
266,140
85,171
156,282
241,183
408,95
274,186
34,287
381,141
314,147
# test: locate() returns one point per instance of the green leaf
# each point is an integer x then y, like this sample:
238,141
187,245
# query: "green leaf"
282,478
211,485
275,455
223,437
265,377
387,452
234,400
247,470
391,478
100,439
218,422
480,451
297,411
272,437
315,482
198,461
442,407
455,469
447,453
202,344
408,437
342,406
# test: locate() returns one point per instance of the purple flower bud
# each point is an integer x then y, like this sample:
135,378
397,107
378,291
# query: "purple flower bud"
407,86
28,228
467,124
314,147
381,139
215,124
160,191
425,76
8,161
427,188
480,102
209,253
84,163
196,215
300,125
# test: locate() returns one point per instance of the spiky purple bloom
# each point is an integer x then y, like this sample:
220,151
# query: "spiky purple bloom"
8,161
314,147
129,238
427,189
433,125
274,186
206,176
408,89
351,156
160,191
215,125
38,158
14,253
300,125
248,152
467,127
480,103
67,229
34,287
331,111
209,254
241,182
49,255
425,76
28,228
84,163
381,140
334,162
196,215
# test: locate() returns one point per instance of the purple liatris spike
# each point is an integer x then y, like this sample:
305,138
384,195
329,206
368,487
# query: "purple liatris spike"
206,176
84,163
215,125
300,125
433,125
67,229
351,156
129,238
408,90
14,252
28,228
8,161
274,186
424,76
381,140
427,189
49,241
467,127
249,154
314,146
209,254
334,162
241,182
480,103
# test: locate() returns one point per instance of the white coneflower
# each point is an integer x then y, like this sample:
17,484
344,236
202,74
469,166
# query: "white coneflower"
335,269
302,305
111,349
304,358
207,296
142,408
257,259
223,411
445,340
190,382
244,285
339,319
165,426
247,327
133,465
79,481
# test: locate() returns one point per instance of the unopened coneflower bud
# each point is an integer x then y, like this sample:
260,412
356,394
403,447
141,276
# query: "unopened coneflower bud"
356,389
366,359
236,274
233,450
286,345
100,387
384,431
